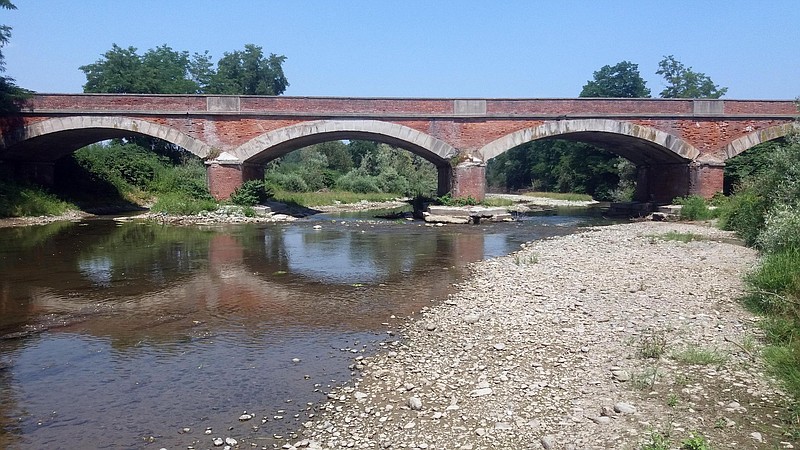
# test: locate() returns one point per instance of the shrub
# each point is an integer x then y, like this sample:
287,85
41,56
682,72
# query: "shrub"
744,214
781,229
694,207
292,182
358,181
251,192
448,200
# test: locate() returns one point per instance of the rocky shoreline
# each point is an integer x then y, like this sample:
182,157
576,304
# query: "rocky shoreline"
615,337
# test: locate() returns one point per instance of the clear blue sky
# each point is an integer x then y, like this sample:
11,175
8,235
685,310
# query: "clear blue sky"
425,48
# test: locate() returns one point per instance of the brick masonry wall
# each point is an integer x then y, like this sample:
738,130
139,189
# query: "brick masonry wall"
225,123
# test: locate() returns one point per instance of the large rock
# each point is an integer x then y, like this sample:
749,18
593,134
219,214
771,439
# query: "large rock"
465,214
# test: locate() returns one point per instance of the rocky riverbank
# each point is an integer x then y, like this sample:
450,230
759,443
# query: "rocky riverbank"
616,337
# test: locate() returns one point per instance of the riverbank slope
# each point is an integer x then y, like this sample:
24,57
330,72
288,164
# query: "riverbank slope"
615,337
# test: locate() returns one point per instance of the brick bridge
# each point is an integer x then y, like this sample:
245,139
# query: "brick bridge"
679,146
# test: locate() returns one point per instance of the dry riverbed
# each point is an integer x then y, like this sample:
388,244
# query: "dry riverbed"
611,338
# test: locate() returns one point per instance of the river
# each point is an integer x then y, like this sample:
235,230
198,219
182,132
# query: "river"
125,334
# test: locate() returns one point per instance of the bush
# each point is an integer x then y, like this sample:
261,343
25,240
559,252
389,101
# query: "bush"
123,165
188,178
448,200
292,182
744,214
694,207
251,192
357,181
781,230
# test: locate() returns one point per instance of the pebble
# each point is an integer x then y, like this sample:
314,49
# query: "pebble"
480,392
624,408
472,318
602,420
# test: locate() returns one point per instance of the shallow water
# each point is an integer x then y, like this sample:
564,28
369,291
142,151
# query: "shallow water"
126,334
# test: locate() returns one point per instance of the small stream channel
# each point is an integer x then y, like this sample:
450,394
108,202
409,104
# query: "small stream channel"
132,334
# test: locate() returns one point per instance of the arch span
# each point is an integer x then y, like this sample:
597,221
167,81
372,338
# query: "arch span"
53,138
638,143
759,137
276,143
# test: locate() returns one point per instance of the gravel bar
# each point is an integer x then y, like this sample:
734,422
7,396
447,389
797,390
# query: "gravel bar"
594,340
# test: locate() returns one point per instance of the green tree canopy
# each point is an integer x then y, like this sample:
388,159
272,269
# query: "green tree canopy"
249,72
11,95
683,82
162,70
621,80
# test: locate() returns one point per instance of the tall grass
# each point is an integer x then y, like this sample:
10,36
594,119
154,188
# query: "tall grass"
325,198
775,293
765,211
561,196
20,199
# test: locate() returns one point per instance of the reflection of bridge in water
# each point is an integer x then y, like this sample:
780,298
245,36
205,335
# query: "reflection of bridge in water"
337,278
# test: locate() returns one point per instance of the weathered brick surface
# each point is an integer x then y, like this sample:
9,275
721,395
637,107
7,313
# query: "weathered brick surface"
224,179
469,180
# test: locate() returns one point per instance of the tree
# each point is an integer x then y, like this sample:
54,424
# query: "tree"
683,82
162,70
5,32
249,72
11,95
621,80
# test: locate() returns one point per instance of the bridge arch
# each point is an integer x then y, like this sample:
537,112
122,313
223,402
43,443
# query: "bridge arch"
758,137
53,138
642,145
278,142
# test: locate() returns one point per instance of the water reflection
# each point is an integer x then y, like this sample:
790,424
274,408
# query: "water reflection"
147,329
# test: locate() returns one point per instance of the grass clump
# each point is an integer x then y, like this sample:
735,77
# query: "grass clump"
652,345
499,202
676,236
661,441
699,356
525,260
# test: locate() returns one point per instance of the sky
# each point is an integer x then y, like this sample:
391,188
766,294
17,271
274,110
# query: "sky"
424,48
